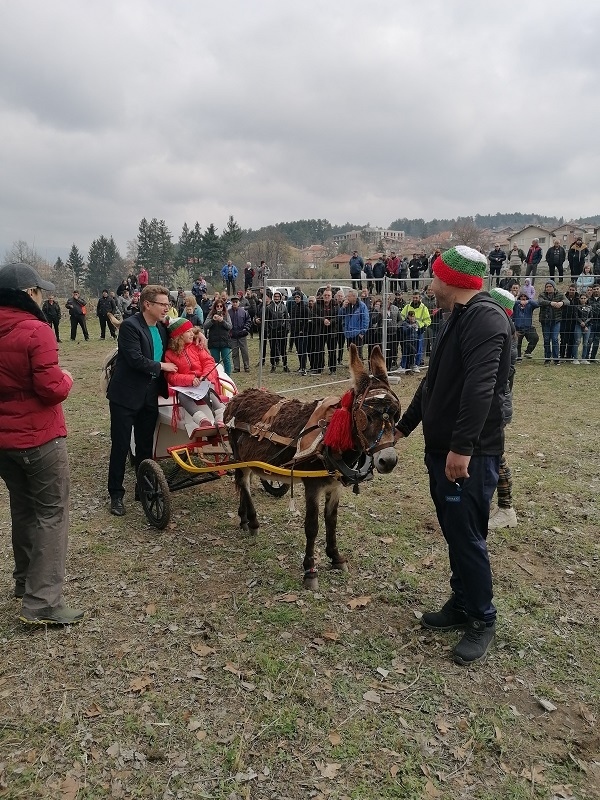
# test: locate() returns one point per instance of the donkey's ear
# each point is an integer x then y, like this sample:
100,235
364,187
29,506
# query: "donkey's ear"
377,362
358,373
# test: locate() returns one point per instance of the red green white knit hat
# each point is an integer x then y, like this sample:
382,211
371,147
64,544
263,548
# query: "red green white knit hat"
461,266
179,326
504,298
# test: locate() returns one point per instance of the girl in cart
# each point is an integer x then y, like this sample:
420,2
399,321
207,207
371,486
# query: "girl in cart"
187,349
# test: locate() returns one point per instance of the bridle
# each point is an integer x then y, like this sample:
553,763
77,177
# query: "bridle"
357,466
363,403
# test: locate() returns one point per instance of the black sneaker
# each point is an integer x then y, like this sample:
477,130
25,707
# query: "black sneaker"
273,369
286,369
448,618
474,645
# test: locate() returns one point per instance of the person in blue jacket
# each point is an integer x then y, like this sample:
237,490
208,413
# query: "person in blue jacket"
229,274
523,322
355,317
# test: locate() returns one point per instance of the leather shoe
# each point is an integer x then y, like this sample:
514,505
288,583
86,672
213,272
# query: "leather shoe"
19,588
116,507
52,616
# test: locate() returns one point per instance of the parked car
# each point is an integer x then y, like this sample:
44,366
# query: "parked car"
334,289
286,291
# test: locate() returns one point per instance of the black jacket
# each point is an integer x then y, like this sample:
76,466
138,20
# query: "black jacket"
137,379
555,256
51,310
105,304
460,401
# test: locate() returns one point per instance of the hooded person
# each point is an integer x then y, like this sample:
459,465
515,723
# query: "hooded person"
460,406
529,288
33,447
195,365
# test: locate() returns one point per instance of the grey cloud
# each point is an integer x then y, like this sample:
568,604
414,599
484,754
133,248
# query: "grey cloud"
112,111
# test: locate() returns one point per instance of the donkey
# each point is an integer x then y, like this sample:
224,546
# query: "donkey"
345,436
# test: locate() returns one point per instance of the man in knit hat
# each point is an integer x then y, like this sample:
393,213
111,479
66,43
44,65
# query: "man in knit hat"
459,403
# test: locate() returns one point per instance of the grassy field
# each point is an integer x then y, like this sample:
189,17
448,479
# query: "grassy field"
203,670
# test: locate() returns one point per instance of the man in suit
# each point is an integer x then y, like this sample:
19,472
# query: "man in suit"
135,385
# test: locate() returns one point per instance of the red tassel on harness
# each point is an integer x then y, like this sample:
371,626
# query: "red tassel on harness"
338,435
175,415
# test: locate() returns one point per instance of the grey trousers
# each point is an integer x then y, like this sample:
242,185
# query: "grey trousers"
240,346
38,484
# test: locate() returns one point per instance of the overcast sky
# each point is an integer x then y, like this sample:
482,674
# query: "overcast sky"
275,110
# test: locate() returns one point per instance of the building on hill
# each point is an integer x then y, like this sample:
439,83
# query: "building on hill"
567,233
372,236
523,237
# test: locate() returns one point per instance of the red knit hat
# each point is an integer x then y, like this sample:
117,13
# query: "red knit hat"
179,326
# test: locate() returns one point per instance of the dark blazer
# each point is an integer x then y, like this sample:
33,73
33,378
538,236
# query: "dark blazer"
137,379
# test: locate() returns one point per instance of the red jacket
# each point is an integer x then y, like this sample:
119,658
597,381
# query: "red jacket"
192,362
32,385
392,266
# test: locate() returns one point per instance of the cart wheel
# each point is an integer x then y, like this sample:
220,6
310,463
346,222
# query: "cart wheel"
275,488
154,493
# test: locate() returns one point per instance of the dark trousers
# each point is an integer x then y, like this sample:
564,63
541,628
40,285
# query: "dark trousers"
302,349
358,341
330,340
54,324
122,422
230,286
104,321
278,348
37,480
75,321
567,340
356,282
559,268
531,336
463,513
531,269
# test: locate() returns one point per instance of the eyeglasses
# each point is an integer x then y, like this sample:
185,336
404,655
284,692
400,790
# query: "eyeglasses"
156,303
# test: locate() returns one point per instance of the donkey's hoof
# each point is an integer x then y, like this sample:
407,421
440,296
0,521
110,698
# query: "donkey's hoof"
311,582
244,527
341,566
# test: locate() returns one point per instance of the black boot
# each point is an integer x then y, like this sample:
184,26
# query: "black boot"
448,618
116,506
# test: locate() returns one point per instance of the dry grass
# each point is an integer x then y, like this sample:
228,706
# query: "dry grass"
204,671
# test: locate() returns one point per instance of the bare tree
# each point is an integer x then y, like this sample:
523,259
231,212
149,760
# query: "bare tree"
466,232
21,253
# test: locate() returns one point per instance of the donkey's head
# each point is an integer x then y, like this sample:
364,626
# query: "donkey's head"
375,410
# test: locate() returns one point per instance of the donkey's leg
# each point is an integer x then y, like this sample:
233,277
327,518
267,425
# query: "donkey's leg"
312,493
332,500
246,510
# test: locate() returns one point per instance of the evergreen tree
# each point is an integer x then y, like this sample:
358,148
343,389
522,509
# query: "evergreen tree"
101,261
155,249
183,247
212,250
62,277
77,266
230,237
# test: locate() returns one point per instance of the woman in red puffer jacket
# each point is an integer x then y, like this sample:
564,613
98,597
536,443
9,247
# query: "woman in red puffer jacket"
33,451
